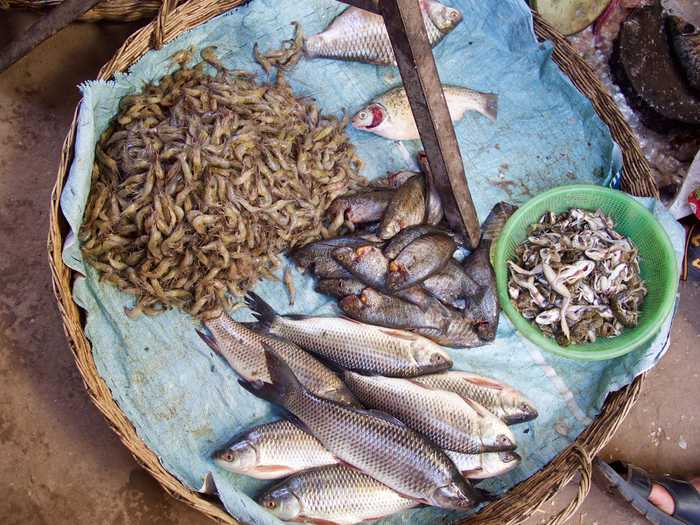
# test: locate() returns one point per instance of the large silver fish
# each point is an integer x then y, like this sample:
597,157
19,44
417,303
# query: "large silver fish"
447,419
337,495
273,451
243,350
390,115
353,345
501,399
378,445
486,465
360,35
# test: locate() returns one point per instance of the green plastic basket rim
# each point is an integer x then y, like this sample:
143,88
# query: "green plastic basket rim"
579,352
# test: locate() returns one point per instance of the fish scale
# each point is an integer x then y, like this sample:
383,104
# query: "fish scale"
445,418
337,494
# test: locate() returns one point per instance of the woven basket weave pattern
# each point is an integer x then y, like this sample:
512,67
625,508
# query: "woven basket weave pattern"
521,501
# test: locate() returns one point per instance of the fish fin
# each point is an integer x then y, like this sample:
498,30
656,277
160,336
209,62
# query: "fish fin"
251,325
319,521
208,338
476,406
294,420
284,383
471,472
491,107
496,220
208,485
262,311
274,469
298,317
407,336
485,382
386,417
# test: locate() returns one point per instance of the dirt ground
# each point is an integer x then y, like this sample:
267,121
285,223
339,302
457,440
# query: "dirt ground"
59,461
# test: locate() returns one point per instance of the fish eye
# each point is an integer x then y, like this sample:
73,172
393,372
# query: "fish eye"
453,15
363,115
436,359
270,504
227,456
524,407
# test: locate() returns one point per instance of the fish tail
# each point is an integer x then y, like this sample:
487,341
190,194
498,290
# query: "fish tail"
262,311
284,385
491,106
312,46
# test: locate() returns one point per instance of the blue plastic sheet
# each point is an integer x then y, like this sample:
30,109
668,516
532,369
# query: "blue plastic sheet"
185,402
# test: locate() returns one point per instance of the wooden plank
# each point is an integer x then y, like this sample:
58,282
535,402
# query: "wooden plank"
47,26
367,5
414,56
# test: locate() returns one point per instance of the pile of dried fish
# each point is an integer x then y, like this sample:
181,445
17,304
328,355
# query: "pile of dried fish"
404,275
348,462
576,277
200,181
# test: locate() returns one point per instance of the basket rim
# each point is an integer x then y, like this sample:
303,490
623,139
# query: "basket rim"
522,500
585,352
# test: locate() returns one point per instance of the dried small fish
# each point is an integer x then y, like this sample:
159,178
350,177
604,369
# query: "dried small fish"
288,279
576,277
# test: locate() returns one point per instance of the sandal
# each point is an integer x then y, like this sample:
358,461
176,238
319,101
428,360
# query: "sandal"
634,485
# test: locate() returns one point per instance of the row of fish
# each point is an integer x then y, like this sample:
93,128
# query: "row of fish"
404,276
349,460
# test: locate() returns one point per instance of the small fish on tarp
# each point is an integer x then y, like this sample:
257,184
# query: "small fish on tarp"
452,286
485,308
319,251
353,345
365,439
366,263
243,349
272,451
434,211
501,399
390,115
407,236
407,208
361,208
419,260
447,419
340,288
360,35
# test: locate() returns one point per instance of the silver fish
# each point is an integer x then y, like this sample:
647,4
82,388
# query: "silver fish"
360,35
337,495
486,465
243,350
390,115
500,399
353,345
273,451
447,419
378,445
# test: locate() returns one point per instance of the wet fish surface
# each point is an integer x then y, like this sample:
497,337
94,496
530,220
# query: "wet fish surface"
483,310
390,115
360,35
452,286
419,260
322,250
378,445
354,345
486,465
407,236
273,451
242,348
502,400
338,495
406,208
340,288
447,419
366,263
361,207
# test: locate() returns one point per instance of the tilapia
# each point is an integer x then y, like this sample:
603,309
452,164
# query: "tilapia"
337,495
685,38
484,309
366,263
390,115
330,269
315,252
460,333
273,451
243,350
361,207
419,260
486,465
353,345
393,180
448,420
378,445
452,286
407,236
500,399
434,211
407,208
360,35
340,287
496,220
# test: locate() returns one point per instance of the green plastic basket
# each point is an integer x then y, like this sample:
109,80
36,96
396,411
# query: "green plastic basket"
657,259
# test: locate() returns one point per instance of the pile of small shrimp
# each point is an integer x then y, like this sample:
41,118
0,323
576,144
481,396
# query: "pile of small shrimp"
202,180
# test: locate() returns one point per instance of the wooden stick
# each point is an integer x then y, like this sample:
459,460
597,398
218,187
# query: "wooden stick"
47,26
414,55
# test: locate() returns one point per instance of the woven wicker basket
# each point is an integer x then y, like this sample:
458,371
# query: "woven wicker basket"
113,10
522,500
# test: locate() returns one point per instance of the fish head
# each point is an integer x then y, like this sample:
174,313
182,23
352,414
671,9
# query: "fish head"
283,503
397,276
496,436
370,118
430,357
499,463
240,457
457,495
351,305
517,408
444,17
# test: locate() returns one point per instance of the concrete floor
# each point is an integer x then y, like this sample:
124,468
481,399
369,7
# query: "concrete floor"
59,461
